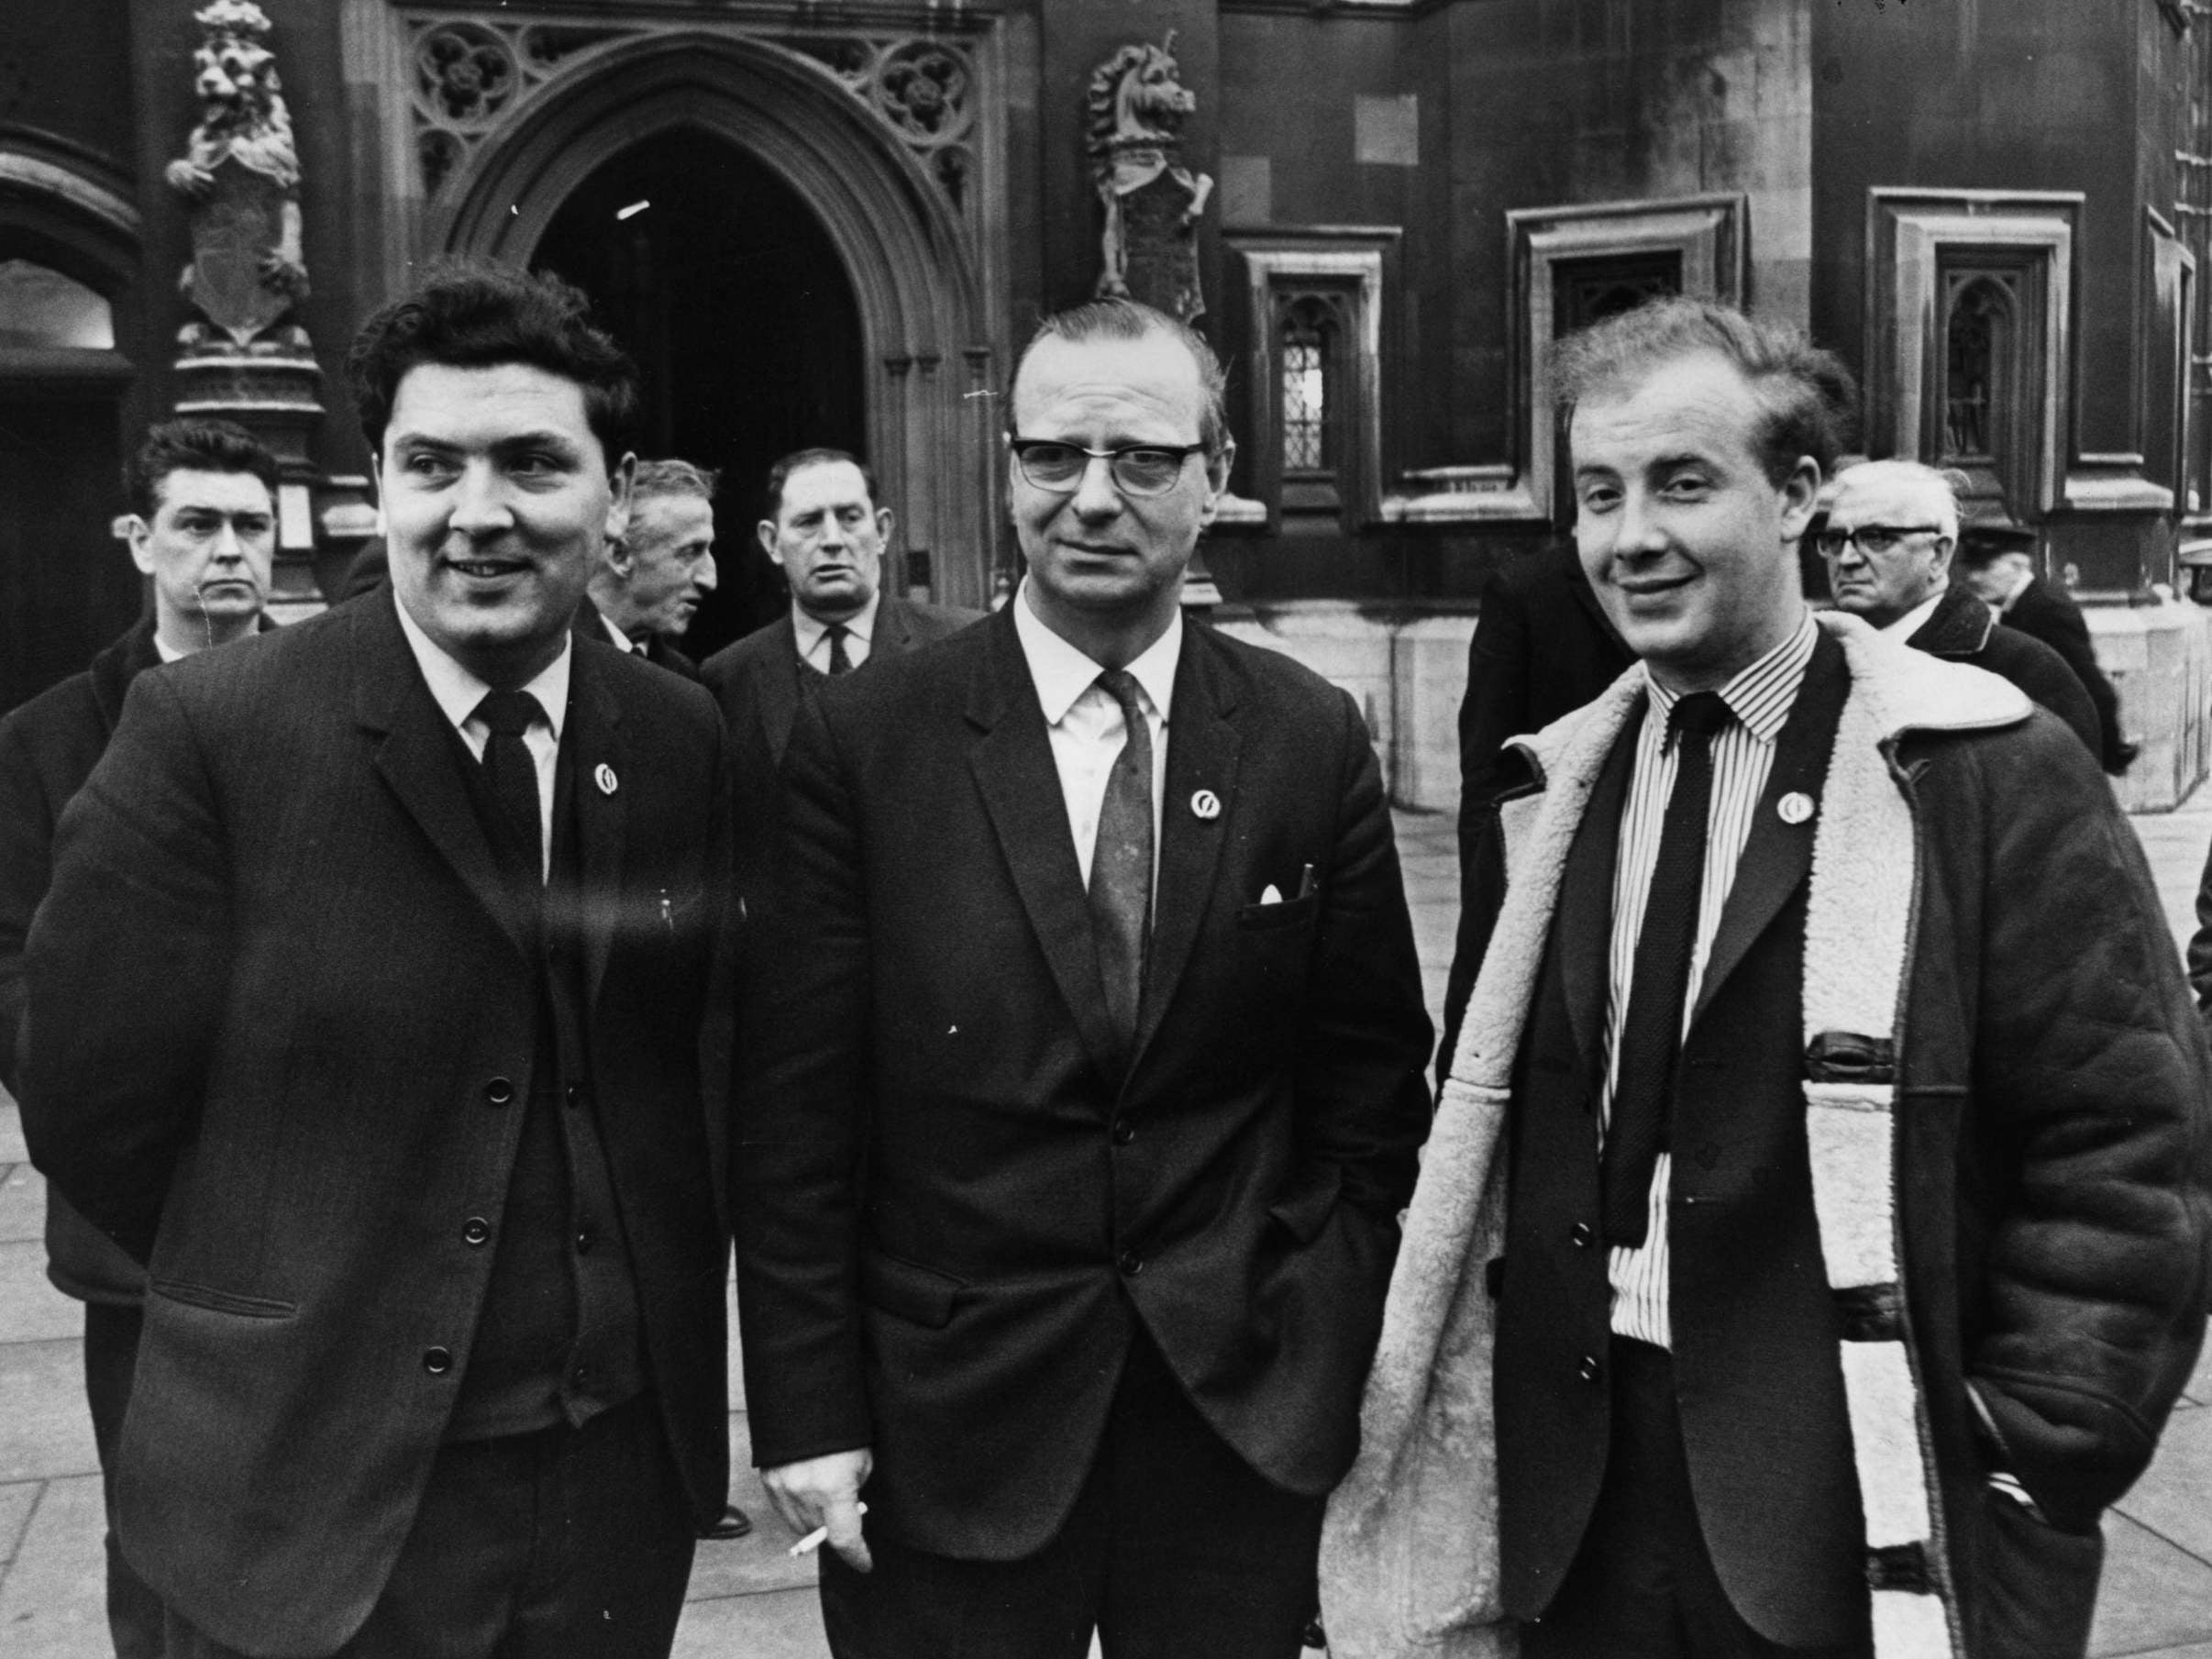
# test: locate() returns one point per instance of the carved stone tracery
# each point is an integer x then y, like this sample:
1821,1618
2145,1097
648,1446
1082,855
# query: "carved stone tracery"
475,75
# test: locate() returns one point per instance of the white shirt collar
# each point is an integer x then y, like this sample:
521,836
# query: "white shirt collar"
459,691
623,641
1062,673
165,651
1907,626
861,626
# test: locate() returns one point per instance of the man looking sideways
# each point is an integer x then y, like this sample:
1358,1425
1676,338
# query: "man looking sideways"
365,1008
1088,1079
203,525
1891,529
650,581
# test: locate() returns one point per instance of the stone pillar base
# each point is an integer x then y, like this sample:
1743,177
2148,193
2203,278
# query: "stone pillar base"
2159,657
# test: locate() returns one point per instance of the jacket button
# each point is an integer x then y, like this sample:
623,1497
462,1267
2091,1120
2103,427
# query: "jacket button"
585,1239
1123,1131
1581,1236
499,1091
475,1230
437,1361
575,1095
1130,1262
1591,1369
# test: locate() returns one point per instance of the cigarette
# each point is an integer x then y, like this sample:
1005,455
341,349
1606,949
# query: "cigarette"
813,1540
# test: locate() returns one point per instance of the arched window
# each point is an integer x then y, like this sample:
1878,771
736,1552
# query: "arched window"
1977,343
1306,331
41,307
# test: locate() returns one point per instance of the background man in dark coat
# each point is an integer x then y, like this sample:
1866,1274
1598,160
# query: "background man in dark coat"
365,1007
825,531
203,527
1090,1084
1852,1112
1891,528
1542,646
1998,565
649,580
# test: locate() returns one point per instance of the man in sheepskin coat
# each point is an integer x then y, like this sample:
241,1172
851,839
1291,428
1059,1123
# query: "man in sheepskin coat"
1812,1237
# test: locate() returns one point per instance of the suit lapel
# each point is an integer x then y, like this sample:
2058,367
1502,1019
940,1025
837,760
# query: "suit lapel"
416,756
892,631
1777,855
1582,937
1204,744
1020,789
778,684
596,752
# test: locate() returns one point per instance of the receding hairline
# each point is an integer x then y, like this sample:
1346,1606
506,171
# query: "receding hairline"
1929,491
784,490
1200,393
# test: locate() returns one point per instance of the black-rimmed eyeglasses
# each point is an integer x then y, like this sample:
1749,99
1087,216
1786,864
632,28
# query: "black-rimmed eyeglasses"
1136,469
1873,540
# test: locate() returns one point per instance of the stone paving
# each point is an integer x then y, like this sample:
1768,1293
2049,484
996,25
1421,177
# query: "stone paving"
750,1601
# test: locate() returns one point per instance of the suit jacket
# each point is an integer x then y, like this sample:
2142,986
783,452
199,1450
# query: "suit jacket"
759,678
1542,646
2049,613
1965,630
592,623
281,1004
957,1205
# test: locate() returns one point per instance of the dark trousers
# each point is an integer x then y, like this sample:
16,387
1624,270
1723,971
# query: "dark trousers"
111,1358
1175,1550
567,1543
1642,1586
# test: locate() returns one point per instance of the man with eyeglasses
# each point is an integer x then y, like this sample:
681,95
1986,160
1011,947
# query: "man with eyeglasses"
1888,541
203,529
1090,1080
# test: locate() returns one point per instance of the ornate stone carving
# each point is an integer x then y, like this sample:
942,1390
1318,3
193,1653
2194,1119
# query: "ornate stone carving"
475,73
1147,249
241,174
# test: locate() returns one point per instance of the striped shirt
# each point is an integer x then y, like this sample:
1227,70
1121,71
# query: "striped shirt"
1744,757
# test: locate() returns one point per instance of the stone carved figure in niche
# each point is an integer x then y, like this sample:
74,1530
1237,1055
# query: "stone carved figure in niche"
1152,202
242,174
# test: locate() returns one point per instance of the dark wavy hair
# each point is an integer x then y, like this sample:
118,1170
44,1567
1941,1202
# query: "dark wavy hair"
1811,402
480,314
192,446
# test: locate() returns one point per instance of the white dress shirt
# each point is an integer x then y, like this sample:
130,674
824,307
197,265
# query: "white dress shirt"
1086,723
623,641
458,692
1906,626
1743,758
859,634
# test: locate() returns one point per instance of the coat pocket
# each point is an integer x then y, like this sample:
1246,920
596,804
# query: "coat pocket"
1286,912
2037,1583
909,1290
223,1301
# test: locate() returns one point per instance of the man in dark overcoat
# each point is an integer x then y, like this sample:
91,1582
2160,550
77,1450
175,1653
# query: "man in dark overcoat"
203,529
1088,1081
366,1009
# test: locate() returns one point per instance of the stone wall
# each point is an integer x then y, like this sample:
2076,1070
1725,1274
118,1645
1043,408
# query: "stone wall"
2160,661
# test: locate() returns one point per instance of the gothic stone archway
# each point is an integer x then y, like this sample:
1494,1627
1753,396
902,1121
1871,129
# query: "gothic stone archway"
892,141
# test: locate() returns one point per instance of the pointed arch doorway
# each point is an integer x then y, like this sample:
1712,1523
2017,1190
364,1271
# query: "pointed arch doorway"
725,286
779,128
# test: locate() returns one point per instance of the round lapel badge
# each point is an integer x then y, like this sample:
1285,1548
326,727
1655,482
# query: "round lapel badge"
1206,806
1795,807
605,778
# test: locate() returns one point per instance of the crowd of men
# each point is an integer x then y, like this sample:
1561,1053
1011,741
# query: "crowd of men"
413,1008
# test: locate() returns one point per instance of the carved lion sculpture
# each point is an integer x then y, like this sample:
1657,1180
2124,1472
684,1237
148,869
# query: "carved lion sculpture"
1137,105
243,117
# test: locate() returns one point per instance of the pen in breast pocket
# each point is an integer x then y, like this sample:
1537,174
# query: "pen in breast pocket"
1305,883
668,911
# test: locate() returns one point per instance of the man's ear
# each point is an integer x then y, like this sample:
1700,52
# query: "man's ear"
619,482
138,534
1217,479
884,521
1800,497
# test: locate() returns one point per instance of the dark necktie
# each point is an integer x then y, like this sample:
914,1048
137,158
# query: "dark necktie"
1121,862
839,663
513,774
1651,1036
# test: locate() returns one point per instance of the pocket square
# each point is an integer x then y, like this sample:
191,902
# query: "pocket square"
1271,894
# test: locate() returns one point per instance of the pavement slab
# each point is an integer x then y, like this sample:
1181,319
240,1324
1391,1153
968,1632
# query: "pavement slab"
31,1309
17,1502
22,1203
12,1149
44,1428
53,1603
2152,1595
2174,1497
774,1624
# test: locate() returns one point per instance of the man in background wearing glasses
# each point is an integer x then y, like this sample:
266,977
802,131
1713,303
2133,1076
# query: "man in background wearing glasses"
1892,526
1090,1080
